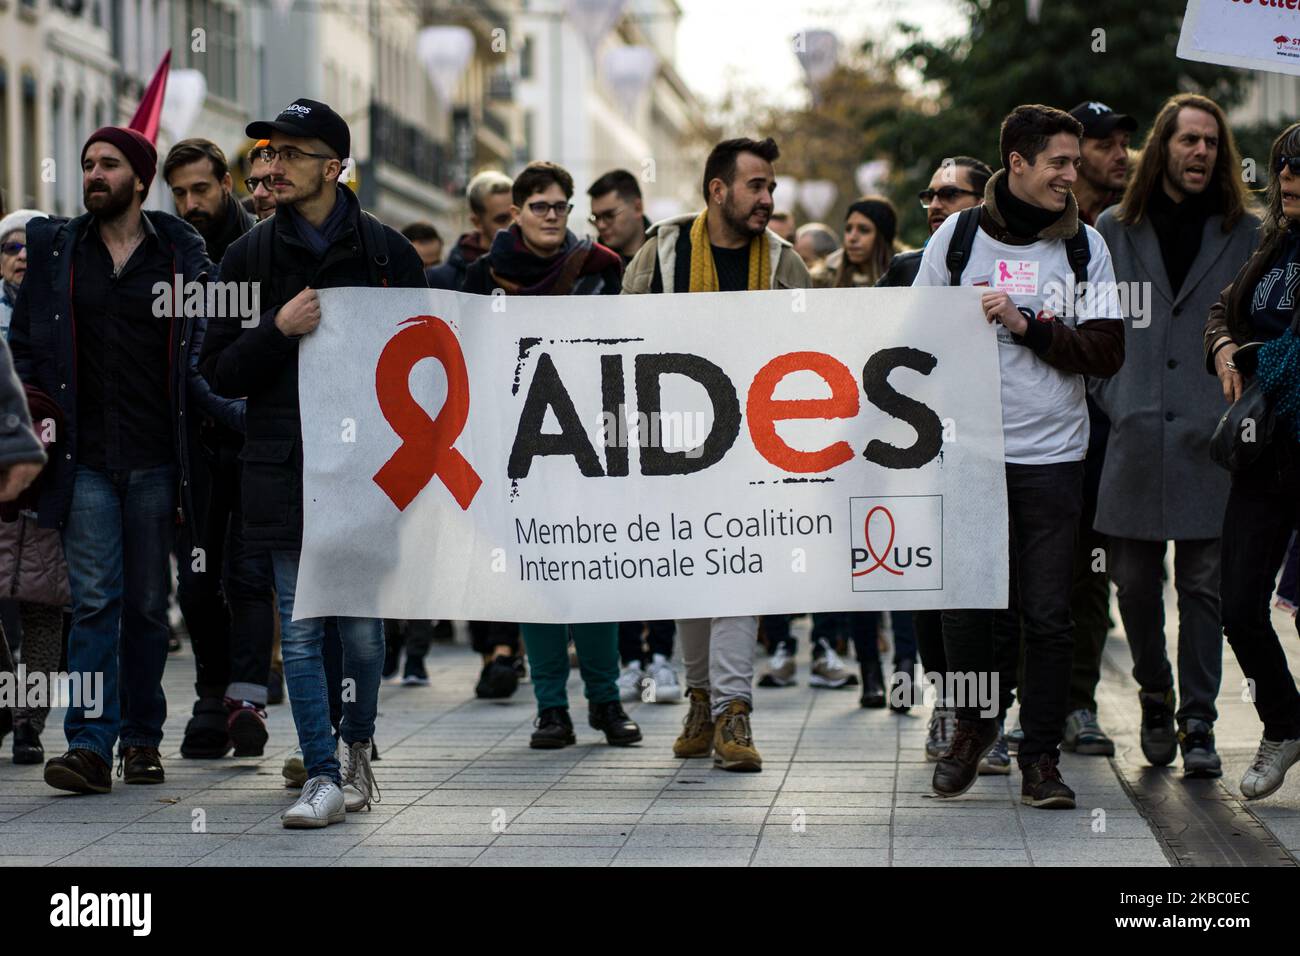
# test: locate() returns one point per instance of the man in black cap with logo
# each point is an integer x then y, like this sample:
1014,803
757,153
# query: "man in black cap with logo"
318,238
1103,158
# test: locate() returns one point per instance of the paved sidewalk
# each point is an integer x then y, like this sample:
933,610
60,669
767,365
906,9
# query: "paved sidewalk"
460,786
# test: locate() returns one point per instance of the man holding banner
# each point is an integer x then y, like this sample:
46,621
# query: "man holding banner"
725,248
1025,244
319,238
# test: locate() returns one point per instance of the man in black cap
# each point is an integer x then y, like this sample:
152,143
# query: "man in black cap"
1103,158
318,238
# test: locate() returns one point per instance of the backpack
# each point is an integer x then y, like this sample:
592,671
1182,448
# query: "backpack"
259,251
963,240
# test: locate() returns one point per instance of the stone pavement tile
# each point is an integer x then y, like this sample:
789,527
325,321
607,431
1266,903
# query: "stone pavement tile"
603,803
820,856
7,860
794,797
370,850
980,838
705,814
444,837
254,861
89,809
826,836
945,856
574,815
681,856
728,835
509,839
84,832
545,856
474,797
354,861
124,859
1085,852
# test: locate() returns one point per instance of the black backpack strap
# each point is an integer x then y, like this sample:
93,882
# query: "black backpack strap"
963,240
1076,248
376,246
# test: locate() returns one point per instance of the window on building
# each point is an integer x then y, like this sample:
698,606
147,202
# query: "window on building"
526,59
7,162
60,148
31,164
79,135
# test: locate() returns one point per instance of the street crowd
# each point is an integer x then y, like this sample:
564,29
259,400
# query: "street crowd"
138,453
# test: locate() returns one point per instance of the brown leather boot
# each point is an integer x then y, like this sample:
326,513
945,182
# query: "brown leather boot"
142,765
733,743
696,738
79,771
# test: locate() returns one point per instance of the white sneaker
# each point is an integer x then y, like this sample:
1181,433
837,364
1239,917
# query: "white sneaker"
1269,768
663,681
294,770
629,683
359,787
319,805
780,669
828,670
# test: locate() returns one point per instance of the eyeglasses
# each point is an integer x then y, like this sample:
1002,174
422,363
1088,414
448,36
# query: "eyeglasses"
290,154
251,184
609,215
13,248
1290,162
540,209
945,194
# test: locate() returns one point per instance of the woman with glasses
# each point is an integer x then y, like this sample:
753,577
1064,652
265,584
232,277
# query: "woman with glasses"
539,255
1261,306
13,261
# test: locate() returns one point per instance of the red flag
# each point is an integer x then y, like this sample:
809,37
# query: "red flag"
149,112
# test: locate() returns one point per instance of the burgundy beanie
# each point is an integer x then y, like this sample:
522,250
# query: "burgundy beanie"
135,146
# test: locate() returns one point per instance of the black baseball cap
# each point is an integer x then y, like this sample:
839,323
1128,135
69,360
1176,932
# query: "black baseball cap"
1099,120
309,118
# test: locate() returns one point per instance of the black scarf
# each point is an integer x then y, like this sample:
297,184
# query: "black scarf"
1178,227
1024,220
236,222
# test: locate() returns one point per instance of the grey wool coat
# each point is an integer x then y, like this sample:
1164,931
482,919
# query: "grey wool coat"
1158,482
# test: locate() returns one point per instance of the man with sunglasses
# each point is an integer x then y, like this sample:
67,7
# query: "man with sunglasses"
488,195
318,238
957,184
1178,236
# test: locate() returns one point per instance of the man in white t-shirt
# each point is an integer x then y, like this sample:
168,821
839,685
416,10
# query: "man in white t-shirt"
1050,335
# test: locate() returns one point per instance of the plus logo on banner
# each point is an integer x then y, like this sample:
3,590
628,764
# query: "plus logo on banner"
897,543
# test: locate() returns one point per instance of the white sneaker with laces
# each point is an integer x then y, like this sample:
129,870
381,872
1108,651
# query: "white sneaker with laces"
320,804
629,683
780,669
359,787
294,770
663,680
828,670
1269,768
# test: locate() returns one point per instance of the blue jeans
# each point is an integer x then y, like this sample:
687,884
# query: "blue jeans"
118,546
301,644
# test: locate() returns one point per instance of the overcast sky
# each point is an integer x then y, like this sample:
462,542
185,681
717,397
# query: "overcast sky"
751,39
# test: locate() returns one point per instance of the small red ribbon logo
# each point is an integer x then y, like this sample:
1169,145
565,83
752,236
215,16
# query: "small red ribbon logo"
426,442
884,555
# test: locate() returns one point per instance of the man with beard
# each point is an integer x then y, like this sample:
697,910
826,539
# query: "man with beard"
1183,230
1103,158
318,238
226,596
725,248
117,482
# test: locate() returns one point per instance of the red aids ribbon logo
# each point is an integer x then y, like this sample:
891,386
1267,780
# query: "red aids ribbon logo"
883,556
426,442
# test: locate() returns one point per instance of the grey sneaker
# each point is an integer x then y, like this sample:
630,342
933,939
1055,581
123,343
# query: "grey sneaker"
629,683
319,805
938,737
1196,740
1083,735
359,787
294,771
661,681
780,669
1158,735
997,760
1269,767
1015,736
828,670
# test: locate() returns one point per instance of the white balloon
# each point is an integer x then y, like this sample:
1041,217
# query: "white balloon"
1033,8
787,193
186,91
593,19
663,207
817,51
445,53
869,175
629,71
817,196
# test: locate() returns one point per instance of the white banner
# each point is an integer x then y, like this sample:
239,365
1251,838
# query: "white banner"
1255,34
646,457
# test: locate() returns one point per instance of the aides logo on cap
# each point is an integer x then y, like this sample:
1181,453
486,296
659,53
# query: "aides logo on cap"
296,109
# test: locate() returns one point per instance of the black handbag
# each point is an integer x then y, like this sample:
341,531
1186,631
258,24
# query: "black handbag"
1245,429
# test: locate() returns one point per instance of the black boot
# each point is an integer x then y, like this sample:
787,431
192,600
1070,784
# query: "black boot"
620,729
6,722
554,729
27,745
873,685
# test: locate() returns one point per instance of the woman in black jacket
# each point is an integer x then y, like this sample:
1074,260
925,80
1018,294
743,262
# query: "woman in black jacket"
1264,503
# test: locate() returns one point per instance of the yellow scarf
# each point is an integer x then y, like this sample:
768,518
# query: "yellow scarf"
704,274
